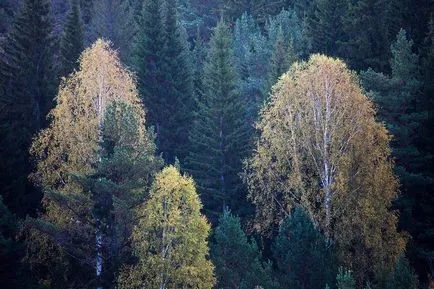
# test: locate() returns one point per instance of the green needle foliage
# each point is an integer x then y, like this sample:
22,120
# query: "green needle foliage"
27,89
72,41
238,260
220,134
302,257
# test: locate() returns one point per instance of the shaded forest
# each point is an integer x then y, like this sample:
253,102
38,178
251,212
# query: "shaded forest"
236,144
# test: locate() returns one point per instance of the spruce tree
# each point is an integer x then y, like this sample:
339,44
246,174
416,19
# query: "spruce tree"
325,26
27,84
72,41
403,276
220,135
281,59
344,279
302,257
238,260
178,102
406,113
161,60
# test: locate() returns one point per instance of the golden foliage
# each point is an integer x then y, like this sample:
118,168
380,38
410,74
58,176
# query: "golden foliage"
71,143
170,239
321,147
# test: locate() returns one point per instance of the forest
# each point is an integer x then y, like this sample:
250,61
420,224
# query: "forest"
226,144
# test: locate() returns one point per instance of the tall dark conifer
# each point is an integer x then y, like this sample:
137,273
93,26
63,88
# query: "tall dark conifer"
72,42
28,84
220,134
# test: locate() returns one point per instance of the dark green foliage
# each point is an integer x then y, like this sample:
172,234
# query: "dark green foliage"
403,277
403,108
344,279
325,26
220,135
251,61
302,257
281,58
368,33
72,41
238,260
179,101
27,87
163,68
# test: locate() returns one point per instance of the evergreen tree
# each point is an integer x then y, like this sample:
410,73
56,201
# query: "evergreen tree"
72,41
238,260
170,239
219,136
251,53
280,60
163,68
95,163
403,277
345,280
27,82
114,20
368,34
402,107
302,257
325,26
178,103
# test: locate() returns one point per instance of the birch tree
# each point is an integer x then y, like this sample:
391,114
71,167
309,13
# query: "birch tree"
170,240
92,172
320,147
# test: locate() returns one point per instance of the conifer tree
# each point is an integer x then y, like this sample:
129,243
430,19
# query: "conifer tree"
281,59
238,260
302,257
95,163
325,26
403,276
114,20
178,102
344,279
27,84
220,135
402,107
72,41
161,60
170,239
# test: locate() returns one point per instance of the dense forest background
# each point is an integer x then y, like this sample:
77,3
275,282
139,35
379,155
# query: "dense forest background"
191,85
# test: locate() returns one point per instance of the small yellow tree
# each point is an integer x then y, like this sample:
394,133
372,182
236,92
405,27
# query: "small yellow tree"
321,147
170,240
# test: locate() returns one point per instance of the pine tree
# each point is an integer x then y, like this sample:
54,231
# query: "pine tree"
27,84
95,163
238,260
170,240
219,136
302,257
72,41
